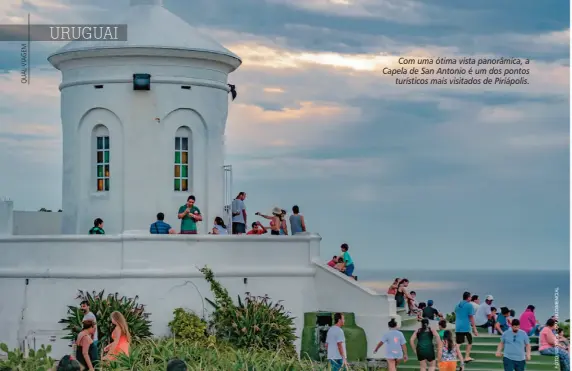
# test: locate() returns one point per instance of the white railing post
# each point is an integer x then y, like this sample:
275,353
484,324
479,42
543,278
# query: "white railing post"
227,171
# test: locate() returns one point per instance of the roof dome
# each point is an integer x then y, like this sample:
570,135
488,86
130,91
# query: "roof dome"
150,25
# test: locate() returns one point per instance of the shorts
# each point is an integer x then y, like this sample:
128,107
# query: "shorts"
460,337
337,364
238,228
428,356
188,232
275,233
448,366
349,270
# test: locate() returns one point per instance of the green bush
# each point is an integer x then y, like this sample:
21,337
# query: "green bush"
155,355
102,306
451,317
255,323
566,327
36,360
188,326
149,355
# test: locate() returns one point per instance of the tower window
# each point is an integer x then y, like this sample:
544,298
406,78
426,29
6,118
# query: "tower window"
102,163
182,160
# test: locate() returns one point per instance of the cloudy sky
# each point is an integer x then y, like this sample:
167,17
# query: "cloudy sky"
413,176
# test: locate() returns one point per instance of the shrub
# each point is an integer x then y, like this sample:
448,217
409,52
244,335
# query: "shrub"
255,323
188,326
151,355
36,360
102,306
451,317
566,327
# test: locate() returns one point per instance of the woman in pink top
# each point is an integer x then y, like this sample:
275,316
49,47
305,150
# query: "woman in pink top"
528,322
121,338
549,345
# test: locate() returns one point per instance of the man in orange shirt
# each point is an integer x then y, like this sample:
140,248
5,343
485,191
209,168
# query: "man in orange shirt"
257,228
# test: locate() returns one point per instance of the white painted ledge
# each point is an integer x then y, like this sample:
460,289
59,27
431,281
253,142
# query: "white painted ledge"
350,281
162,237
192,272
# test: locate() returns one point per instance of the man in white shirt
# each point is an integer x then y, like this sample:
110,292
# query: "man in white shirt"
475,302
89,316
239,214
336,344
484,316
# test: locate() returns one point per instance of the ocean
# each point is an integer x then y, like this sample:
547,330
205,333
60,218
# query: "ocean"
548,291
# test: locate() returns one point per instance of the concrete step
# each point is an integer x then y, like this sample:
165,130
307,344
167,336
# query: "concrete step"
490,346
497,364
486,354
408,320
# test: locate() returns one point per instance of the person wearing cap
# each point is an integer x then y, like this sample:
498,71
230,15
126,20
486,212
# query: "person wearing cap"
484,317
429,312
275,220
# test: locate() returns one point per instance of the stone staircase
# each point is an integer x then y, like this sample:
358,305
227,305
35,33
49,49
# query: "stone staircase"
483,351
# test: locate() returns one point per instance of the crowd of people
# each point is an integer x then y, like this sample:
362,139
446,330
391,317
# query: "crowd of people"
190,215
439,348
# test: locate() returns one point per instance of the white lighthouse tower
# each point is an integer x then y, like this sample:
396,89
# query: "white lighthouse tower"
129,154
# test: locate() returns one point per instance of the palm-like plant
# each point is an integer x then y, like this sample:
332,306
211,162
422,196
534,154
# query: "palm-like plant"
256,322
102,306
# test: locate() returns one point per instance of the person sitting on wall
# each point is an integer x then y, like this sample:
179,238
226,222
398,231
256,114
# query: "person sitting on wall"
97,227
160,227
421,307
189,215
392,290
340,265
332,263
349,263
414,310
257,228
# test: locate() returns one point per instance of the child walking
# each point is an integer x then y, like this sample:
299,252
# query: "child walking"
395,348
449,353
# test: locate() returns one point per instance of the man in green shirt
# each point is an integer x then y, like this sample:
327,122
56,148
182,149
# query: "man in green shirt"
189,215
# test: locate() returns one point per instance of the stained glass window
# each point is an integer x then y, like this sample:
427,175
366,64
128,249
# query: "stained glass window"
102,164
181,169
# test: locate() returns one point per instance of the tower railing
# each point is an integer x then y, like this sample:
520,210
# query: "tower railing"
227,185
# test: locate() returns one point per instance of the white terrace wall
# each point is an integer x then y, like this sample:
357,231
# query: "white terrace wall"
37,223
40,276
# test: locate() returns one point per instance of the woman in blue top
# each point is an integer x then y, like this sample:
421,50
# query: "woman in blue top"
348,260
219,226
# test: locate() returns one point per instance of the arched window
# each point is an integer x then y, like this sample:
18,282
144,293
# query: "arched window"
183,146
102,149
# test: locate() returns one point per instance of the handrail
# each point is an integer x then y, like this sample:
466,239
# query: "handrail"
347,279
